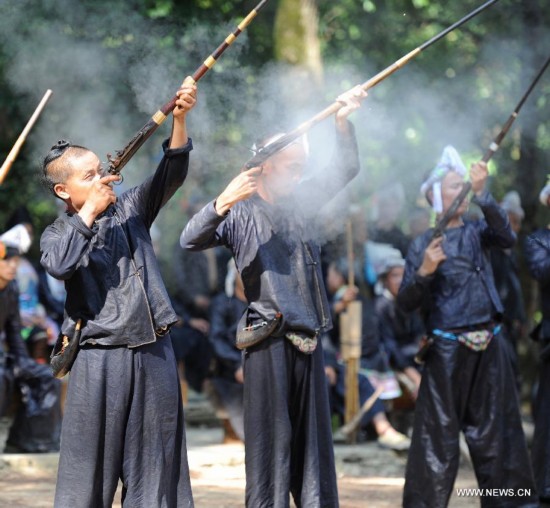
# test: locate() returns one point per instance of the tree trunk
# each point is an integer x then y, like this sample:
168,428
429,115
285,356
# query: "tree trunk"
296,42
296,35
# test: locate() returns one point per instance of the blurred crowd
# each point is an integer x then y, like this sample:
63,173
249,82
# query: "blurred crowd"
209,299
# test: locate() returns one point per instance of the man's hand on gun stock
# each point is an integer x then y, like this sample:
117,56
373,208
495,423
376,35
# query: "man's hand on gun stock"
242,187
434,255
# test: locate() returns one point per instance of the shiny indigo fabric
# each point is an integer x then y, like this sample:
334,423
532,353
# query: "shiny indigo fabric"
288,438
464,390
462,291
111,273
124,419
541,440
287,420
473,392
537,254
274,245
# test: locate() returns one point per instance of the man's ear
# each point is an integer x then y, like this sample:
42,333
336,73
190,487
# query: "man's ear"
60,190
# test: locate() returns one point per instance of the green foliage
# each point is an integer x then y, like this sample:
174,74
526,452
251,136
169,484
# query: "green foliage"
475,76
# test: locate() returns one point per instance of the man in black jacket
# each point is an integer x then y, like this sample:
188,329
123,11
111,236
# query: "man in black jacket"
264,217
467,382
37,422
10,321
123,413
537,255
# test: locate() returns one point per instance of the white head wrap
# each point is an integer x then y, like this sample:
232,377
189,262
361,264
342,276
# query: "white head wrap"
511,203
450,161
17,237
255,149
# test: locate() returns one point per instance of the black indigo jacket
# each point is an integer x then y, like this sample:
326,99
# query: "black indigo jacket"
110,271
275,245
461,293
537,254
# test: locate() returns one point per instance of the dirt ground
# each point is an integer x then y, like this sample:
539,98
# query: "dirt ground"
367,475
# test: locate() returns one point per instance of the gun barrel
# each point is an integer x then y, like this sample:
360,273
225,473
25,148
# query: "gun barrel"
123,156
14,152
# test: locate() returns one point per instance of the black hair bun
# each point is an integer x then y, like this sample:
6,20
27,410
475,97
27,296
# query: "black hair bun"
61,145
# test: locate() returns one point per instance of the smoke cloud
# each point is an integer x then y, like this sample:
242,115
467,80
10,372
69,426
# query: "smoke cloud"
92,60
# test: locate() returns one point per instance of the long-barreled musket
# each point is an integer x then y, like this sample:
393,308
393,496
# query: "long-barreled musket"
285,140
493,147
10,159
123,156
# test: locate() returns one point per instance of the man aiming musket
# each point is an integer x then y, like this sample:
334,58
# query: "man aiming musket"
262,217
467,382
123,415
467,378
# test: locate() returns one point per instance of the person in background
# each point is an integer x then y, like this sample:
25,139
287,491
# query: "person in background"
507,281
400,332
374,370
37,421
537,255
198,278
227,379
38,330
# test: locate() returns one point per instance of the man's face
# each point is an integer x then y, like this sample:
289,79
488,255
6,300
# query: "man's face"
335,279
284,170
515,222
85,170
8,269
394,278
451,185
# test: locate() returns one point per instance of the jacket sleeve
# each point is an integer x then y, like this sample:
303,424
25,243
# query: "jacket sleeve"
149,197
537,254
205,229
63,245
496,230
414,288
324,185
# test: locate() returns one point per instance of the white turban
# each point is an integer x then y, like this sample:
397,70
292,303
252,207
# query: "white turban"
18,238
450,161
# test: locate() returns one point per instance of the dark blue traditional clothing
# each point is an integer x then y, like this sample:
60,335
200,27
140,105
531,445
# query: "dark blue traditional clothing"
123,413
225,314
537,254
288,437
400,332
464,389
37,423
